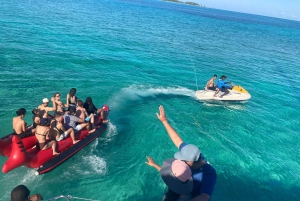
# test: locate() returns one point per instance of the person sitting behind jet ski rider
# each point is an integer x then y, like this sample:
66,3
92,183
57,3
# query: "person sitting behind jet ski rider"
44,119
210,84
223,86
19,125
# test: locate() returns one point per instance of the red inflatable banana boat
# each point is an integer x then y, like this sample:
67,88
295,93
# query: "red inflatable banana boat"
23,152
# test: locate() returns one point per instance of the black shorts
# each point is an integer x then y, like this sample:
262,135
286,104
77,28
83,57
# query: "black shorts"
25,134
212,88
223,89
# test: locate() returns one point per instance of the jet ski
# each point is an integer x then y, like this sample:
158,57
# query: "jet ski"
237,93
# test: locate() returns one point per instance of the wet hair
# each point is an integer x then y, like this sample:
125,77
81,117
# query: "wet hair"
19,193
215,75
90,103
41,113
72,92
54,95
21,111
72,110
223,76
58,114
80,103
35,111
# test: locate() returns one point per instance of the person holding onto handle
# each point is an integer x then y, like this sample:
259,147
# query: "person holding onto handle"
223,86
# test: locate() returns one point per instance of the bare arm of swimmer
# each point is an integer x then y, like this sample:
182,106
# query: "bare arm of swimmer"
53,108
170,130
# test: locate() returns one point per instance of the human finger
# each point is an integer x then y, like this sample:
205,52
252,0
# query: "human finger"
157,115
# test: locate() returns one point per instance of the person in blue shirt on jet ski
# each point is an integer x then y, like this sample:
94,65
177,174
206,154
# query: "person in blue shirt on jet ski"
223,86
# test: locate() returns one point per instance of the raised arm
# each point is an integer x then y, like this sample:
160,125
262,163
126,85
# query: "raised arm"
170,130
53,108
67,101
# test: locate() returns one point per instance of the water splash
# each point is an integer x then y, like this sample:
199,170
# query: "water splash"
135,93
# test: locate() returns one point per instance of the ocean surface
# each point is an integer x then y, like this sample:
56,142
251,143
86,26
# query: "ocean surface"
136,55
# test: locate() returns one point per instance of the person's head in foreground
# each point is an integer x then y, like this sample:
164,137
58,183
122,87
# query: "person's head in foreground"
22,193
190,154
177,175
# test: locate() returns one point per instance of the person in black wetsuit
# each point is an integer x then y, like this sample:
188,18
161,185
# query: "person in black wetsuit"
91,108
71,99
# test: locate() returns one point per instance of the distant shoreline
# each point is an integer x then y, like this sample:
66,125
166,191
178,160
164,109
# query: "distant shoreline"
188,3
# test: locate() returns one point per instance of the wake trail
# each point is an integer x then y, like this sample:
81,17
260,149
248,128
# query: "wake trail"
139,93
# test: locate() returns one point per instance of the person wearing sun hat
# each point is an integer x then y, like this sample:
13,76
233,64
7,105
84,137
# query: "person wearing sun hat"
177,175
204,175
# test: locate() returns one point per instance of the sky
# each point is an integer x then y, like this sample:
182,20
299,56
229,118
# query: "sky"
286,9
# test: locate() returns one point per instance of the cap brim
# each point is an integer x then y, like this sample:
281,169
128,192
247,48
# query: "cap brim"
172,182
178,156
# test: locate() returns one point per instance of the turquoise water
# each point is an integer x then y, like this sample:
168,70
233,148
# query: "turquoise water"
136,55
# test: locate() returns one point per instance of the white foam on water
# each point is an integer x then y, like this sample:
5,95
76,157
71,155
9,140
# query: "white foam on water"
227,105
138,92
12,179
96,164
94,144
111,130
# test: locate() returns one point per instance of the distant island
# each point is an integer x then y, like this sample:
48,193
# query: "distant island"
188,2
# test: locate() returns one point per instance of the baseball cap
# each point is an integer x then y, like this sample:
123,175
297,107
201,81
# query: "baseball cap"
105,108
189,152
45,100
177,175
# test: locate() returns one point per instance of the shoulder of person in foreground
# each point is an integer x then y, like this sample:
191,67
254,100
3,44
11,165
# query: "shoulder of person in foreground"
208,182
